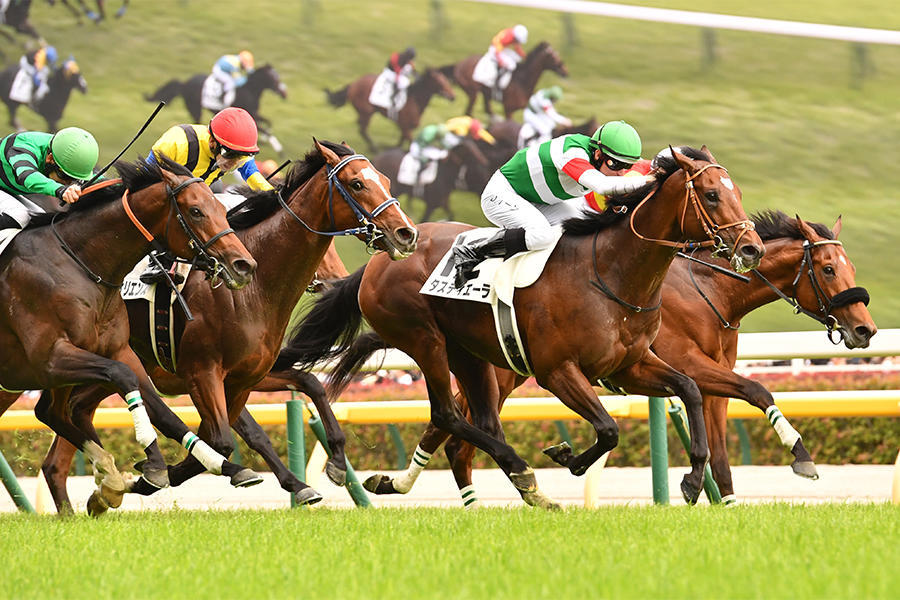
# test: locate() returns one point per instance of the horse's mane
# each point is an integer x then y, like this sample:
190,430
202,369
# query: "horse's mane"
774,224
593,221
535,52
135,176
261,205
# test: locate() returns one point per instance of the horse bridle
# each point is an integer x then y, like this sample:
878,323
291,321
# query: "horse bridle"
710,227
826,304
365,218
202,259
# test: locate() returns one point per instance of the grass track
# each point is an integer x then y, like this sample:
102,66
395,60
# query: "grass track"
754,551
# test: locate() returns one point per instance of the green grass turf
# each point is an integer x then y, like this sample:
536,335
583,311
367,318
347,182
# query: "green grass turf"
781,113
753,551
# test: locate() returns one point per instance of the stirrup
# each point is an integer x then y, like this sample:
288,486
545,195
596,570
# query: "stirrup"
155,275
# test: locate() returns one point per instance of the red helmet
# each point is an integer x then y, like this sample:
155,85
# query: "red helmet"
235,129
474,127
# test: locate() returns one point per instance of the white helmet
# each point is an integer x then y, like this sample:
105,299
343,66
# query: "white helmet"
520,32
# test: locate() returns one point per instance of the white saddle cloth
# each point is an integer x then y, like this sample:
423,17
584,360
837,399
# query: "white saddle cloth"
212,94
382,94
408,173
22,88
135,289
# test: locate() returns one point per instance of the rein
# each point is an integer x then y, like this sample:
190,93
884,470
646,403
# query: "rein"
826,304
365,218
600,285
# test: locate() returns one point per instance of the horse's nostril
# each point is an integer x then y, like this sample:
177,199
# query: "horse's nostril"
244,267
407,235
750,251
863,332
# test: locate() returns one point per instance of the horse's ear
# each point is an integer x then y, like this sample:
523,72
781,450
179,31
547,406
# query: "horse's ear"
686,164
705,150
836,230
808,232
330,157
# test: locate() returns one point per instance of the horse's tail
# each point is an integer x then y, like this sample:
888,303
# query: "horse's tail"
328,330
166,92
338,98
352,360
449,71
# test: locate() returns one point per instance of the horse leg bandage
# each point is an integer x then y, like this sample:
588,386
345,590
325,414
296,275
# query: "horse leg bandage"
470,500
143,429
779,422
202,451
404,482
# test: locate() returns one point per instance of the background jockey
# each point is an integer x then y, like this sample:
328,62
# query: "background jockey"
227,144
400,68
465,126
433,144
506,52
541,116
34,162
231,71
35,67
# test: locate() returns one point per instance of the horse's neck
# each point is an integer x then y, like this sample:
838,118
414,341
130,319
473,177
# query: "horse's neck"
421,92
57,97
247,96
779,266
529,73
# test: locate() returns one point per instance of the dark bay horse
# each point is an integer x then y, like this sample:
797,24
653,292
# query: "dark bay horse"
65,323
65,78
591,315
701,313
437,193
522,85
246,96
234,339
418,95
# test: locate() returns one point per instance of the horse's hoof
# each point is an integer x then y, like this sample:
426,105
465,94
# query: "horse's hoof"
538,499
307,496
96,505
65,509
525,481
379,484
805,469
112,496
689,492
245,478
336,474
561,453
158,478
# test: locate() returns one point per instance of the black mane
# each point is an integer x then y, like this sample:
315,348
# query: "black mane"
261,205
774,224
593,221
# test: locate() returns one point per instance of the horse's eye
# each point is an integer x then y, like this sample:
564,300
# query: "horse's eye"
828,270
712,196
357,185
195,212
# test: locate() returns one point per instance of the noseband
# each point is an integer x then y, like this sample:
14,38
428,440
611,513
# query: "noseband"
826,305
363,216
710,227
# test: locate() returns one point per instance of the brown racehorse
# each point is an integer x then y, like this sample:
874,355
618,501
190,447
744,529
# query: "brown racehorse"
591,315
701,312
418,95
542,57
234,339
66,324
437,193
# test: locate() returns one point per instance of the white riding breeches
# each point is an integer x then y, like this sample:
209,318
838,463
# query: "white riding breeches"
505,208
10,205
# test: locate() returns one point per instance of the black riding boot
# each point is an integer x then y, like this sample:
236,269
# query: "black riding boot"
504,243
153,274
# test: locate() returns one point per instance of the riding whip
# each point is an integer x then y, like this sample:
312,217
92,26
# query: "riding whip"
275,172
125,149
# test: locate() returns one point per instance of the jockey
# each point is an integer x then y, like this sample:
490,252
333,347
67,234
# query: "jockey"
463,127
231,71
506,52
227,144
433,144
33,162
37,65
400,69
546,184
541,116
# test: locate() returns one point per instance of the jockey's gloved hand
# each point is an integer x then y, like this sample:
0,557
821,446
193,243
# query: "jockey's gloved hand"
70,193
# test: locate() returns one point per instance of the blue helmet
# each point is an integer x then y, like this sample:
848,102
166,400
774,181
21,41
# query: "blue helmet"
51,55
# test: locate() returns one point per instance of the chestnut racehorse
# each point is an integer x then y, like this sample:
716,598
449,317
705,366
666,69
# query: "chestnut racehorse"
522,84
65,323
234,339
418,95
592,314
701,313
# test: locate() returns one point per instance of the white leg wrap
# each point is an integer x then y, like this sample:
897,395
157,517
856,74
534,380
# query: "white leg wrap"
404,482
729,500
785,431
143,429
470,500
202,451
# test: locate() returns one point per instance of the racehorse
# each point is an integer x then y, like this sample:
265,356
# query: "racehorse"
437,193
542,57
234,339
94,15
246,96
591,315
64,78
16,16
418,95
701,312
65,323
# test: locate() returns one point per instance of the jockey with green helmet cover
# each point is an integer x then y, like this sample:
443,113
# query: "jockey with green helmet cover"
545,184
34,162
541,117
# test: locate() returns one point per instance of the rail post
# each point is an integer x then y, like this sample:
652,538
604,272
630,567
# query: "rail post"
659,450
296,441
680,422
12,486
353,486
399,445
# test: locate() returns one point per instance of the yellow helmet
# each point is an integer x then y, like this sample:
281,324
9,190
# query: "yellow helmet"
246,58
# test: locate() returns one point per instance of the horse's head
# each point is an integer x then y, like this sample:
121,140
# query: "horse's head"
268,79
712,211
439,83
204,233
826,287
547,58
73,76
367,203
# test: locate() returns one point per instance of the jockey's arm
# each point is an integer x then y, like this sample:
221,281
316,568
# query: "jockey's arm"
550,110
29,177
250,172
173,144
581,170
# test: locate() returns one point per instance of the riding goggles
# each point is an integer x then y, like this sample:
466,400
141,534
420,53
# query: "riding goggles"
616,165
230,154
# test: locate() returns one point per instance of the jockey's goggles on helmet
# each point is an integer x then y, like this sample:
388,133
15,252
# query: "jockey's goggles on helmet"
616,165
230,154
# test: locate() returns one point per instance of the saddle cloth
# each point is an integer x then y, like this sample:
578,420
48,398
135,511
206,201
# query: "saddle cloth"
486,69
135,289
211,94
382,93
22,88
409,174
6,236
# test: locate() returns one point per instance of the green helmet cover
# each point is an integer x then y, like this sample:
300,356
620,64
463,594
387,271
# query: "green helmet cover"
75,152
554,93
619,140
